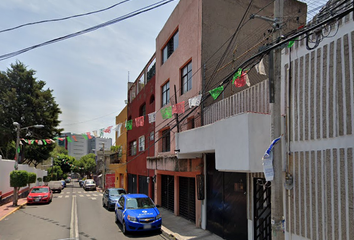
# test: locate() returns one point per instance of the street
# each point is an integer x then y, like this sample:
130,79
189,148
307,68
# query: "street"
73,214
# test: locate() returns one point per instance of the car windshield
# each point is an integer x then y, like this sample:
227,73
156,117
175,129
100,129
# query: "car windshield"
116,192
39,190
90,182
136,203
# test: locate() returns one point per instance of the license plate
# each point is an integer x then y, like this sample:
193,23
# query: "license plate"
37,199
147,226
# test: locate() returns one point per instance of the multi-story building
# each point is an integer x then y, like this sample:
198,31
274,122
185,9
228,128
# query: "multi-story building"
208,160
141,137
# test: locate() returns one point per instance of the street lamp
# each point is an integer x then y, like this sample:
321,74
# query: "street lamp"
18,129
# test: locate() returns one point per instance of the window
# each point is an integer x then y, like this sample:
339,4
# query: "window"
152,99
141,143
165,94
132,147
190,124
142,110
166,140
186,74
170,47
152,136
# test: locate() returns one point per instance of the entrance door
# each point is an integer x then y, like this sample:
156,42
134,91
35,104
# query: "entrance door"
226,202
132,185
167,192
143,185
187,198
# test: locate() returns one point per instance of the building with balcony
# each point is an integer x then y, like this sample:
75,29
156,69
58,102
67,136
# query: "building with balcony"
141,137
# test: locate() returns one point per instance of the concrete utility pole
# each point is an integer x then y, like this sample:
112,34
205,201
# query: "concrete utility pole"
104,170
277,183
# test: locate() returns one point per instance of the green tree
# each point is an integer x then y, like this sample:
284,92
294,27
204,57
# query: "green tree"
55,173
32,177
23,99
46,179
18,179
88,163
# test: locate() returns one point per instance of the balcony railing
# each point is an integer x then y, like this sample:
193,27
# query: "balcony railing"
115,158
252,99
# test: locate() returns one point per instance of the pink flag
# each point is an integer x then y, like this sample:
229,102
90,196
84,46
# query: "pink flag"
139,121
108,130
178,108
74,137
88,135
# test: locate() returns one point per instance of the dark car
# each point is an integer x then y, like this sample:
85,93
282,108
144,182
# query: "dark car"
111,196
137,212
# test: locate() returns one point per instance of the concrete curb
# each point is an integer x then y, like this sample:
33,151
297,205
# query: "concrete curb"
13,210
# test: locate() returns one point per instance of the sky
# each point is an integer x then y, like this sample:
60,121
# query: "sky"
88,73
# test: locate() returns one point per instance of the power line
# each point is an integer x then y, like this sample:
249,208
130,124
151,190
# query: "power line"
64,18
110,22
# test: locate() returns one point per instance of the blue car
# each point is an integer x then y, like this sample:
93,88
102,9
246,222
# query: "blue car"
137,212
111,196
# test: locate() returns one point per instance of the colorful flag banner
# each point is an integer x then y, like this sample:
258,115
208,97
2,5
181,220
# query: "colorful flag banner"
195,101
166,112
85,136
260,68
69,139
44,141
101,132
178,108
129,124
237,75
40,142
152,117
291,43
139,121
241,81
108,129
95,133
74,137
89,135
216,92
118,129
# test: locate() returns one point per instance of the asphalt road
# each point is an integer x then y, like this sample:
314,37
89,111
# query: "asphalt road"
73,214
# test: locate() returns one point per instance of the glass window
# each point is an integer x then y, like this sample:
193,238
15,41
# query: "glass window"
132,146
141,143
170,47
165,94
152,136
186,74
166,140
142,111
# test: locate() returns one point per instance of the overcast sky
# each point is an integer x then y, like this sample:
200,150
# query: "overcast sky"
88,73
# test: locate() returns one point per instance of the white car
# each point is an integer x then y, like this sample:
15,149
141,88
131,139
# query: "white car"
89,184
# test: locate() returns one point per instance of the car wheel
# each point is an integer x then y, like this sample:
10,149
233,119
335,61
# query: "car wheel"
104,205
124,227
115,218
59,191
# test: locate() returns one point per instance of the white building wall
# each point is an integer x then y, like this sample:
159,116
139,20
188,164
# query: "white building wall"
321,140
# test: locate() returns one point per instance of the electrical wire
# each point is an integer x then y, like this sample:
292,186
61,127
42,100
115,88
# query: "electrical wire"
61,19
94,28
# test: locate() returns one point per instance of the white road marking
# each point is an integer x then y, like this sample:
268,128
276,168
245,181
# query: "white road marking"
67,196
74,225
93,198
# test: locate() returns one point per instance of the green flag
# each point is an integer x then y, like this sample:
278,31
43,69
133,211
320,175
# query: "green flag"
216,92
85,136
129,124
237,75
166,112
291,43
69,139
44,141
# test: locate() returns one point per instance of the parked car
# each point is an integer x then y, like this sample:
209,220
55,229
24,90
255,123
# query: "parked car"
137,212
40,194
68,180
81,183
55,186
111,196
89,184
63,183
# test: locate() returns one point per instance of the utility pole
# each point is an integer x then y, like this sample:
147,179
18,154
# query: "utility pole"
104,170
275,106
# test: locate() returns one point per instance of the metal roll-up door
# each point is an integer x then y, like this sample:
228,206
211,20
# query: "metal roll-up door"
167,192
132,185
143,185
187,198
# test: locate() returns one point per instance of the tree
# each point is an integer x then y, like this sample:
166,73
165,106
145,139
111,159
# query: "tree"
31,178
23,99
88,162
55,173
18,179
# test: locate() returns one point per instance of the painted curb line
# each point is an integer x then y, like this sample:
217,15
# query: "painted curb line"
13,210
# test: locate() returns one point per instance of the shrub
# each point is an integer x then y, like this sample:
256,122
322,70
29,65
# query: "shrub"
32,177
18,178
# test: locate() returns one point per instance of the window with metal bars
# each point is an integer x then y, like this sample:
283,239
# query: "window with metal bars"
170,47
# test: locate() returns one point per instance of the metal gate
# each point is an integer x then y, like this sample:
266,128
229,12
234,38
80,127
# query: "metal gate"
262,209
143,185
187,198
167,192
132,185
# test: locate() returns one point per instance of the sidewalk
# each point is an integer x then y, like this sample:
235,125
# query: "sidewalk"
173,227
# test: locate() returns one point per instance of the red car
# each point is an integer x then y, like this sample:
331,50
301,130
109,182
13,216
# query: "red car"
40,194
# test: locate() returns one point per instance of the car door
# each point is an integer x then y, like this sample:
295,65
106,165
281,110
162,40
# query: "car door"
121,202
